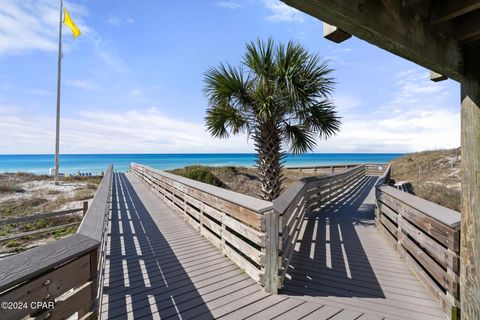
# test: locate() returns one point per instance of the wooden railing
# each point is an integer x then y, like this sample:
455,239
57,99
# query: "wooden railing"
427,237
377,169
295,203
62,278
323,169
243,228
35,217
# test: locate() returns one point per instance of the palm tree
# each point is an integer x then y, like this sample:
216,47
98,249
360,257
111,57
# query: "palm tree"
279,96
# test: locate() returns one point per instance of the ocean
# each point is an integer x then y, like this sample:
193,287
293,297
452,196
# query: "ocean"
96,163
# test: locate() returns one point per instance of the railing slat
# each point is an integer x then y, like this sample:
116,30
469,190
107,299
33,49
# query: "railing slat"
294,204
241,227
426,236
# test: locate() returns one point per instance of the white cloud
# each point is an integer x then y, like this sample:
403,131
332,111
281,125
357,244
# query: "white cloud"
407,132
104,51
345,102
417,117
230,4
119,21
33,25
82,84
37,92
140,131
133,131
136,92
282,12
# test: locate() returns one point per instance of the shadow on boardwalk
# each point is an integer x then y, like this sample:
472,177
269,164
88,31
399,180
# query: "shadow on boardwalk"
144,277
331,260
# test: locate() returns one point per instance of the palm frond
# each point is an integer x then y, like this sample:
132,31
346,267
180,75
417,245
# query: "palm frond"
260,58
299,138
223,119
321,118
226,84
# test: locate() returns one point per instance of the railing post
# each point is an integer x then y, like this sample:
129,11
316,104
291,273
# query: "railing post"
85,207
271,251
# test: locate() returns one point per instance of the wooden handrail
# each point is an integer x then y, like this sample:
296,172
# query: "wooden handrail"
324,168
93,224
244,228
295,203
286,198
427,236
70,268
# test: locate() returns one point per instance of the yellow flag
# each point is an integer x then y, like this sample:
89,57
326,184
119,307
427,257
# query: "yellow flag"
69,22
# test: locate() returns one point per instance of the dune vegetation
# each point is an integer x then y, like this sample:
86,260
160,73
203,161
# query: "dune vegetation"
434,175
23,194
238,179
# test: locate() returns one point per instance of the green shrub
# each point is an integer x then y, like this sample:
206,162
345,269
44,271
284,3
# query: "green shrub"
204,175
7,188
12,244
37,224
20,207
199,173
59,233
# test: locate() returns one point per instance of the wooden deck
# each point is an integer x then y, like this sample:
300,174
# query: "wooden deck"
158,266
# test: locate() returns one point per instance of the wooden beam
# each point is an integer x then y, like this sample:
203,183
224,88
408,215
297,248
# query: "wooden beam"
335,34
470,177
436,77
445,10
390,26
411,3
467,28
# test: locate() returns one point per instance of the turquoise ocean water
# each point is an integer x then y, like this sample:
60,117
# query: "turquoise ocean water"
96,163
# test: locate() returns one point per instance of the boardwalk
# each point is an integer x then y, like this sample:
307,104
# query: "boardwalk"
159,267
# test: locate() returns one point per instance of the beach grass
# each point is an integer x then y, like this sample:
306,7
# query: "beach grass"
239,179
23,194
434,175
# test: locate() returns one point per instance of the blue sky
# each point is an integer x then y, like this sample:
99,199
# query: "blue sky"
132,82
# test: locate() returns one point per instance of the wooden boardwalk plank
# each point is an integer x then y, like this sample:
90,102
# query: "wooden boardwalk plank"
279,309
347,315
256,307
160,267
300,311
224,311
326,312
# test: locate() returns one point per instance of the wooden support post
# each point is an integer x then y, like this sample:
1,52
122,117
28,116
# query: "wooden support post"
271,251
335,34
85,207
470,173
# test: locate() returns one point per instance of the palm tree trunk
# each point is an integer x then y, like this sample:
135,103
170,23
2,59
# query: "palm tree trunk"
269,160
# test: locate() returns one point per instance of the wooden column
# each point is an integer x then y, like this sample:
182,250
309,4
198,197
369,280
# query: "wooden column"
470,231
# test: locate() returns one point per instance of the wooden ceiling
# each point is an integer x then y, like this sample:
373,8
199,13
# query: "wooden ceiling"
454,18
441,35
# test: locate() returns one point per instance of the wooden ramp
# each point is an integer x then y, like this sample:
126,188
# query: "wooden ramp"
158,267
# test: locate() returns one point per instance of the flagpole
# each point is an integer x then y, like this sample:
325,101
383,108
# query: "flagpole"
59,76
